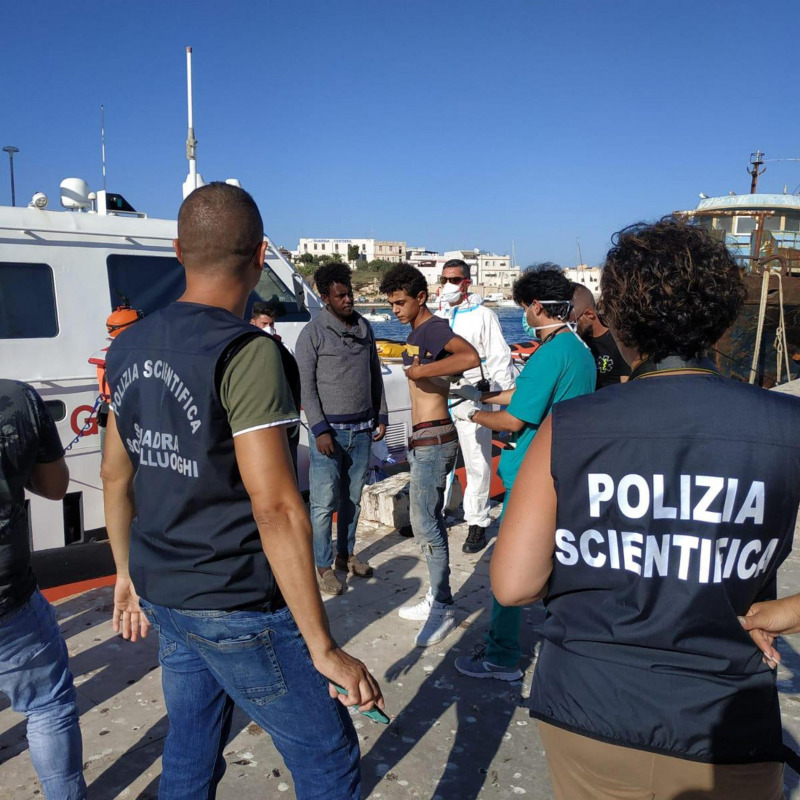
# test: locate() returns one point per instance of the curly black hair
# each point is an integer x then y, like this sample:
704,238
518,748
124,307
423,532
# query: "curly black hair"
329,274
545,281
404,278
669,288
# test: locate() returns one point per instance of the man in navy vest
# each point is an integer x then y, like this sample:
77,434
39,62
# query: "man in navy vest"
206,522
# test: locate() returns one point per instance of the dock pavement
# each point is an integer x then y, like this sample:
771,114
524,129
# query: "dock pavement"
450,737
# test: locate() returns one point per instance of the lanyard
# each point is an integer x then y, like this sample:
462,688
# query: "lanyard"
554,333
672,364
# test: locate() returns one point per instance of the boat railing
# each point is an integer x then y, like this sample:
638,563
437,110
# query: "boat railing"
787,266
134,239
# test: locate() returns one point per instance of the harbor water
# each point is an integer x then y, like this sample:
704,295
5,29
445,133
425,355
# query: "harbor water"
510,322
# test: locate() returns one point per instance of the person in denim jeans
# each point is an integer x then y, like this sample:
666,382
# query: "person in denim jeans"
211,660
34,671
336,483
432,354
430,467
345,406
206,523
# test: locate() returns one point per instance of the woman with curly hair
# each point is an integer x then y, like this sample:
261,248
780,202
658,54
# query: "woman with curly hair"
663,508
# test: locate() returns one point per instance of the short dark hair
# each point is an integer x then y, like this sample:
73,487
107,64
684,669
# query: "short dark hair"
545,281
332,273
219,228
404,278
262,307
670,288
460,263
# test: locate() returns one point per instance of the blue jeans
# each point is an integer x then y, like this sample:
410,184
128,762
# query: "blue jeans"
259,661
336,483
35,675
430,466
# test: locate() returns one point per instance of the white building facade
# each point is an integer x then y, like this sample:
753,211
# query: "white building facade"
495,272
587,276
368,249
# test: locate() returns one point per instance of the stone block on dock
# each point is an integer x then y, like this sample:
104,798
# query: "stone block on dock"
387,501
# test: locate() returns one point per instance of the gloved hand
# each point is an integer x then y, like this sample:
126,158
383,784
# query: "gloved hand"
462,411
468,392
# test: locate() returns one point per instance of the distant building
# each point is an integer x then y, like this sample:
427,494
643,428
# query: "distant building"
421,255
587,276
495,272
368,249
390,251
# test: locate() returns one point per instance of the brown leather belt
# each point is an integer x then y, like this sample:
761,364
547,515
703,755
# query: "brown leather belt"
431,440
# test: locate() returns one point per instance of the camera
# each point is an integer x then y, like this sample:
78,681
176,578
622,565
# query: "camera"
483,385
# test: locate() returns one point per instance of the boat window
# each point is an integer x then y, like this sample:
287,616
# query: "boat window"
745,225
148,282
792,222
271,289
723,223
772,223
57,409
27,301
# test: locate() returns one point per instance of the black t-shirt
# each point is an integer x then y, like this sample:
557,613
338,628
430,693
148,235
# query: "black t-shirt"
28,436
611,366
428,341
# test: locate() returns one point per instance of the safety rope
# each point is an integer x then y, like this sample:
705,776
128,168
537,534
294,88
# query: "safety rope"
86,425
781,344
762,311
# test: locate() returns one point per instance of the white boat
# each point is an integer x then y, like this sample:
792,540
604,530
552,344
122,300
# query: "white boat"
376,316
61,274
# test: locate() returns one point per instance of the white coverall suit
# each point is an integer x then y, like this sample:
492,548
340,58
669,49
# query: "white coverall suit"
481,328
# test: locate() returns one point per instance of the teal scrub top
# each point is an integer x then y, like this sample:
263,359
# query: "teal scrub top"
558,370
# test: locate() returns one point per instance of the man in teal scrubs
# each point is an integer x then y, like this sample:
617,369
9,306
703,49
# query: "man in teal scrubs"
561,367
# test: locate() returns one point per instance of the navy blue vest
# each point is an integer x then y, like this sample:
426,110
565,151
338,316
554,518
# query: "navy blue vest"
194,542
677,500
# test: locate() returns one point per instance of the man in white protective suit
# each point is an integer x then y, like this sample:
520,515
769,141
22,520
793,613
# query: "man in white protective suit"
481,328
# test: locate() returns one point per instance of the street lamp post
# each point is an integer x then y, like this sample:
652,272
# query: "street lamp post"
11,150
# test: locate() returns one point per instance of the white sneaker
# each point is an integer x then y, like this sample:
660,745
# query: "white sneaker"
419,611
441,620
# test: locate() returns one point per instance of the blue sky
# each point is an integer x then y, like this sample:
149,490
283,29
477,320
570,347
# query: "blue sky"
445,123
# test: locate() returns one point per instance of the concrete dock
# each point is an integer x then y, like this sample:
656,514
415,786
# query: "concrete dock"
450,738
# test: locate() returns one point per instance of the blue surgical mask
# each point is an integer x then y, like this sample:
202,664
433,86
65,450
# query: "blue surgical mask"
529,330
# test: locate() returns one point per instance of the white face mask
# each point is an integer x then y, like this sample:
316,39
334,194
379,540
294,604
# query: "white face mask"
573,326
450,293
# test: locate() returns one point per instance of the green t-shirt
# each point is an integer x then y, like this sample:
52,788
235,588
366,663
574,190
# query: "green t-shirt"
254,390
560,369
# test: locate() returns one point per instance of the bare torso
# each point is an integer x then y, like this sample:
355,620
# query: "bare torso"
428,399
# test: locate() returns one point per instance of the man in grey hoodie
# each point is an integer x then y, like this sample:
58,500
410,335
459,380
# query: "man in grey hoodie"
345,405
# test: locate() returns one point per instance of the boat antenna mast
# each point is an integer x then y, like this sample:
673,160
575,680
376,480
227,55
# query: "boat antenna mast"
193,179
103,141
754,170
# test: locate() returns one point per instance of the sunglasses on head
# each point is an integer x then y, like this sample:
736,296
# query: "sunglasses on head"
456,280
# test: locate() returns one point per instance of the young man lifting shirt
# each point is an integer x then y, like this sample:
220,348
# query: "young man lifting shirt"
432,353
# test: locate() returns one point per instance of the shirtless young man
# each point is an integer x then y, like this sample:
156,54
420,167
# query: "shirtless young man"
432,352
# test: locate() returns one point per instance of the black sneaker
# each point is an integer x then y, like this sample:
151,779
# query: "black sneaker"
476,539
